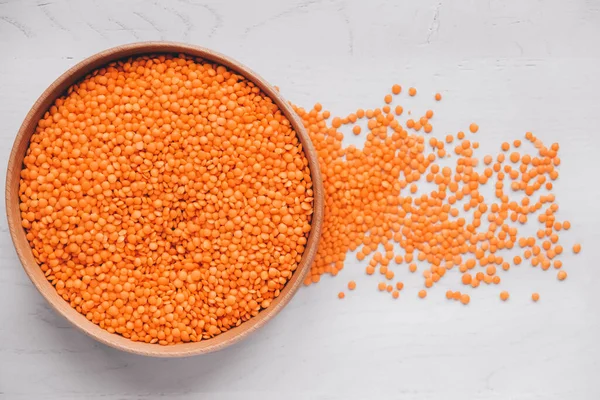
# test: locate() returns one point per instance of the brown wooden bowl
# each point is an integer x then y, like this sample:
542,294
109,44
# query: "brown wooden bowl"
35,273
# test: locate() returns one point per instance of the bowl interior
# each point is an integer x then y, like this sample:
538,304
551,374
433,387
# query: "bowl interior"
35,273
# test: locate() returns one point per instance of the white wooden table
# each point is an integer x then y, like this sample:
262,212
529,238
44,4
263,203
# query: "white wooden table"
511,66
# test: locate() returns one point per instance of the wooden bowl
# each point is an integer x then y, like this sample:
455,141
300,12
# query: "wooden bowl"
35,273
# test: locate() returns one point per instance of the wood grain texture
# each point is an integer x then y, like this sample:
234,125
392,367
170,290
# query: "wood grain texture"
13,176
509,65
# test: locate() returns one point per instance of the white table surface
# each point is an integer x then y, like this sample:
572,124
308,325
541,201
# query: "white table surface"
511,66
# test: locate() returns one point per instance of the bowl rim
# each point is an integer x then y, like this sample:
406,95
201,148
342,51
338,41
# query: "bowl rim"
24,251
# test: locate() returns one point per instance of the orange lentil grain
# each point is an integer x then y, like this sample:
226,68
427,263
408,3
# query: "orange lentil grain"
517,260
562,275
465,298
466,279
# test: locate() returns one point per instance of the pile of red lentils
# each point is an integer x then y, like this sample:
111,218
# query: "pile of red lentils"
166,198
372,205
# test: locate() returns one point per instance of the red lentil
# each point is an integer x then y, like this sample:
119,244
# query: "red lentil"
374,198
166,198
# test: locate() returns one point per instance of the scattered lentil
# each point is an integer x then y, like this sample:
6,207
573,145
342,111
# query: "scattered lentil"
562,275
374,198
465,298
